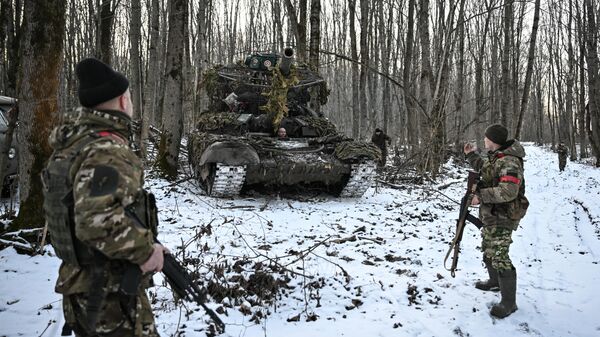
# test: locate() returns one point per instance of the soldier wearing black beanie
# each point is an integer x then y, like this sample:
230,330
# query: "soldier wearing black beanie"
497,133
98,82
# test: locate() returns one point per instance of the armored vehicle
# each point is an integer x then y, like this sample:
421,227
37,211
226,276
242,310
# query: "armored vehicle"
263,129
11,164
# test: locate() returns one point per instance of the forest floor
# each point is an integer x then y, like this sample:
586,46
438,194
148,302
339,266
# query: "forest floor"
323,266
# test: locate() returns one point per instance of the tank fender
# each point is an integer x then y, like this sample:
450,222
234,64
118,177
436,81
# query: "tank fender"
229,153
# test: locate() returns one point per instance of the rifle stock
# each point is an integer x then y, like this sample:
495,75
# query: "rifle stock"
181,282
463,216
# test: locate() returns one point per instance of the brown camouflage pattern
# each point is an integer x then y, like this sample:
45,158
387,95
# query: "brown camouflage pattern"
499,198
100,221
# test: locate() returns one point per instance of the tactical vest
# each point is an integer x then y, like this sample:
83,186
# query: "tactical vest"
59,204
515,209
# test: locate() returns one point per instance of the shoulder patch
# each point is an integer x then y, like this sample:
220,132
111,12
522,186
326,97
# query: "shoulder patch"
104,181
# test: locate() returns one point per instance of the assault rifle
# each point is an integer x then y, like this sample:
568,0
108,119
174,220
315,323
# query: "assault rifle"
463,216
177,276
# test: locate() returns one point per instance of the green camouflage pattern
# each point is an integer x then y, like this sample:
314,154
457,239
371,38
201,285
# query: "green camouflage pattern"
115,319
495,245
353,150
500,199
277,105
99,217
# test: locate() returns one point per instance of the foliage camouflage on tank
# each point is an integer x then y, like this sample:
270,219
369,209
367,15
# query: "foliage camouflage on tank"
235,143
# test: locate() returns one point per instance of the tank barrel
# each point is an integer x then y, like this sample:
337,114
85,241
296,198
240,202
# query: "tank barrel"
286,61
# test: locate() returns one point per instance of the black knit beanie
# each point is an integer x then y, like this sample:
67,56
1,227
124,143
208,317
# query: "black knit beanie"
497,133
98,82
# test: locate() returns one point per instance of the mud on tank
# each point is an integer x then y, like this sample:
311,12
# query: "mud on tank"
235,144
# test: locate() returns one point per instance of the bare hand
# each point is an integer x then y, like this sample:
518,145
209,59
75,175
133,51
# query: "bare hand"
156,260
469,147
475,201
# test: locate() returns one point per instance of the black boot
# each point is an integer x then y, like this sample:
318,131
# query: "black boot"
508,289
490,284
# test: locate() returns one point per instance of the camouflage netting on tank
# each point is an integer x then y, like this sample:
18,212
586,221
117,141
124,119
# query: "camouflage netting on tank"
276,106
198,142
212,85
221,122
323,126
353,150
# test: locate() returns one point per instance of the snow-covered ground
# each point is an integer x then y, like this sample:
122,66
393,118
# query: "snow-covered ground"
366,267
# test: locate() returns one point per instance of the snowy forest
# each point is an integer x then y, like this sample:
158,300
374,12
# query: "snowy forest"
431,74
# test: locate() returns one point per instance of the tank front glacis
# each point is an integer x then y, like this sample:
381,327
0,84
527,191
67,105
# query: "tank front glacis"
236,142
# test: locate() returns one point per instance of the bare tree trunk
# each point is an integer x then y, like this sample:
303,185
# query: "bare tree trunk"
151,87
105,32
354,67
411,112
581,111
570,82
530,61
505,93
593,79
479,99
135,83
364,59
13,29
315,42
172,120
42,52
460,73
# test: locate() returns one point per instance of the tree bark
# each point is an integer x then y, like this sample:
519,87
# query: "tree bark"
315,42
364,59
530,61
107,14
42,52
593,79
409,94
354,69
135,79
172,121
505,93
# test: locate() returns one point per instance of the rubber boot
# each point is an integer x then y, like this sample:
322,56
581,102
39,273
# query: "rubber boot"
508,289
490,284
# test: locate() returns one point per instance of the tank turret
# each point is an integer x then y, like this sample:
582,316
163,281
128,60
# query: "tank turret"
235,144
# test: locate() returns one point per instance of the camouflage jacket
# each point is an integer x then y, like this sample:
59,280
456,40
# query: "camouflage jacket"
99,210
500,185
562,150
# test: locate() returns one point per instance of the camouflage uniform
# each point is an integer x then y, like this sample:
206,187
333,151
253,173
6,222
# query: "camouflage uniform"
107,177
499,189
381,140
562,156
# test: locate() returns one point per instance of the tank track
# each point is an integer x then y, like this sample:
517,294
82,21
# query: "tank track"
361,177
228,180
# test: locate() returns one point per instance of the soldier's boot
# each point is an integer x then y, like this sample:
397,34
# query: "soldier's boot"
508,289
490,284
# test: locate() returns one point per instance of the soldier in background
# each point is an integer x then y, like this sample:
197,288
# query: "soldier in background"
563,152
501,193
92,184
380,139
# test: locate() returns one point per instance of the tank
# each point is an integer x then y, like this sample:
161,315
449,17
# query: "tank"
239,143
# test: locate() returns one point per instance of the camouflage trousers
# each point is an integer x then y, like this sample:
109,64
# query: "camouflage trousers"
495,245
116,316
562,162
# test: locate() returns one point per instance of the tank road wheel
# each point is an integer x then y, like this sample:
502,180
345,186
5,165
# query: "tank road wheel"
223,180
361,178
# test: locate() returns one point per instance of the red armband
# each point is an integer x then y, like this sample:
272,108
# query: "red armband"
510,179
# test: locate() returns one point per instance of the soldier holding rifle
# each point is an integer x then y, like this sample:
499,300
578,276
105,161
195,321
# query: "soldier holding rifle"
500,194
